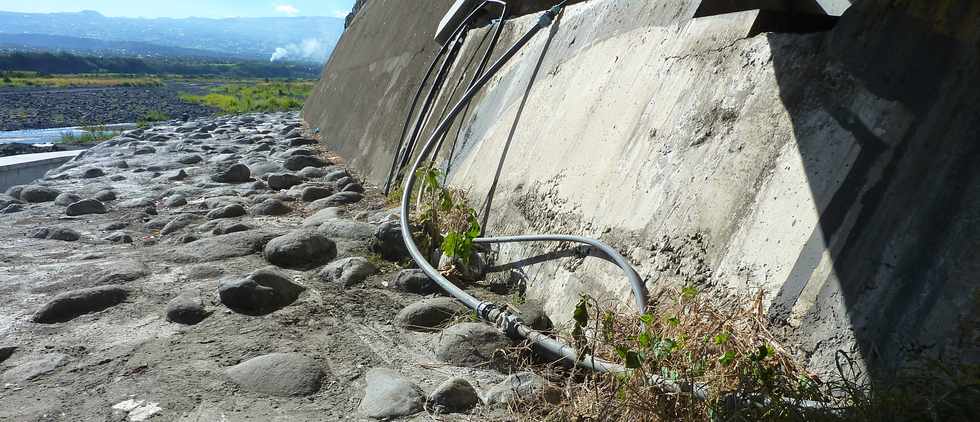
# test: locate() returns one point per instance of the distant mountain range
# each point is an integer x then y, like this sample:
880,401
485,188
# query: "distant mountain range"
35,43
307,39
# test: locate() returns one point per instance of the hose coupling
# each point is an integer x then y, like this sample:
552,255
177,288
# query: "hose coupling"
548,17
509,323
485,309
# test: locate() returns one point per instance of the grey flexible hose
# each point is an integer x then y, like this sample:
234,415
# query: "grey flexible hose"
636,283
504,320
488,311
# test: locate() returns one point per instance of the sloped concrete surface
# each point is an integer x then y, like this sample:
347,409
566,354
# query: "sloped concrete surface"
826,170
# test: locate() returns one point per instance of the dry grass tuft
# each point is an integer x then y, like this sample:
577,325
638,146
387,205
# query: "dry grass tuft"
690,345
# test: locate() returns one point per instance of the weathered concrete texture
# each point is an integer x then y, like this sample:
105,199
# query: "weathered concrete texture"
830,170
387,65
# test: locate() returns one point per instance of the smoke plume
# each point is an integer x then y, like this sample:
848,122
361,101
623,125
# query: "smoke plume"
308,49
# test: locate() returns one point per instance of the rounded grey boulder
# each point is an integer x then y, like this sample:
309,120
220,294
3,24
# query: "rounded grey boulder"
312,172
312,193
389,243
228,211
226,227
279,181
389,395
454,395
523,386
473,344
299,162
346,229
429,314
190,159
59,233
180,222
105,195
271,206
353,187
187,309
119,237
174,201
337,199
237,173
66,199
262,292
70,305
278,374
37,194
347,271
414,281
297,142
92,173
533,314
145,150
85,207
301,249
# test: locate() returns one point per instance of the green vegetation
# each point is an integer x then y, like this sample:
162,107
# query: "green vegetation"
255,97
64,63
151,117
688,341
27,79
443,218
92,135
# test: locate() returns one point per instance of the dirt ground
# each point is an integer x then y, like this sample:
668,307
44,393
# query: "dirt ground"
80,369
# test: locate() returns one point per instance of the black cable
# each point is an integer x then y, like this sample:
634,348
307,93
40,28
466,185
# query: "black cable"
406,155
452,94
479,72
411,112
398,156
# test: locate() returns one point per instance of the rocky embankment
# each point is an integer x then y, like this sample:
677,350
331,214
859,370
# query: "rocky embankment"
42,108
228,269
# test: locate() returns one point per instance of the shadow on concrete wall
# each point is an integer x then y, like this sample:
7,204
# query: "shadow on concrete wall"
901,230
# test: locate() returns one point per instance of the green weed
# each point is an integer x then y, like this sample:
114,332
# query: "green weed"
257,97
444,220
150,117
92,134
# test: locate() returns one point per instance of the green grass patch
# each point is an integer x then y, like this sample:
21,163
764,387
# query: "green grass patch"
151,117
92,135
35,79
257,97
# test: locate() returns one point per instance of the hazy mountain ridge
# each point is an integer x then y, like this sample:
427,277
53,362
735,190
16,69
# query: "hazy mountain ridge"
295,38
35,43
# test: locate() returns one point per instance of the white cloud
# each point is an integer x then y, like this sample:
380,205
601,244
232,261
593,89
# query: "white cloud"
341,13
287,9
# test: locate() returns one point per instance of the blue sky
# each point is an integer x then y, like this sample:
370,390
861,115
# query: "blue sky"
185,8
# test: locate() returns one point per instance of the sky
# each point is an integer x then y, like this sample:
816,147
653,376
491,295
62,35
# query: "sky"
185,8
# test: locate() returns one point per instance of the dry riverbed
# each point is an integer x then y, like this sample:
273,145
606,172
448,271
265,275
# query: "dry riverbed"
227,270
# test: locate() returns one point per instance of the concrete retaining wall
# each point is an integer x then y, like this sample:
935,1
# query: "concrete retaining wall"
24,169
830,171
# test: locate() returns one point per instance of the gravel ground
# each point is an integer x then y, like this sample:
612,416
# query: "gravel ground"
96,258
41,108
